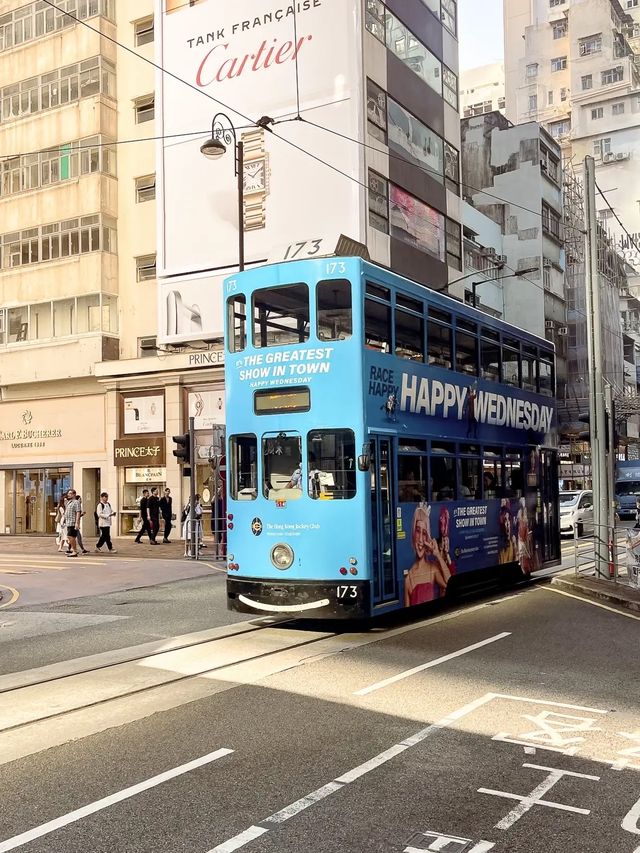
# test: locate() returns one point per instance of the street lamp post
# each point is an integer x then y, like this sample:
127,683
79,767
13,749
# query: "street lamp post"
223,134
476,284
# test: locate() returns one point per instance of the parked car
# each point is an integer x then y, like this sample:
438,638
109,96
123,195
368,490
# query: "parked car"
576,512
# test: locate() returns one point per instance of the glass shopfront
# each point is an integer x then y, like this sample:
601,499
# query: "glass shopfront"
31,497
134,481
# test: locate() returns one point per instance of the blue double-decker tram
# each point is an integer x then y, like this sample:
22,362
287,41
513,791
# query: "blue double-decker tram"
386,443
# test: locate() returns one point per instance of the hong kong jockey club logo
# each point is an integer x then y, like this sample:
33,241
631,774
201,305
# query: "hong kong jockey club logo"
256,527
27,417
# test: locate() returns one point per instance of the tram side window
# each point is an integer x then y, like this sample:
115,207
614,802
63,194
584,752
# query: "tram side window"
282,466
333,300
529,369
281,315
377,325
546,377
470,476
510,363
490,357
409,335
466,348
492,484
513,476
439,342
443,472
412,479
332,464
243,452
237,322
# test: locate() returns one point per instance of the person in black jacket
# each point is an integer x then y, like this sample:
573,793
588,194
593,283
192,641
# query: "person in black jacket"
154,514
144,515
166,511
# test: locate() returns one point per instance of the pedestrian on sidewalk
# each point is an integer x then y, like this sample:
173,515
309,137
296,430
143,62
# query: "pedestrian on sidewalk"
72,515
61,525
144,517
166,510
105,514
154,513
186,525
79,536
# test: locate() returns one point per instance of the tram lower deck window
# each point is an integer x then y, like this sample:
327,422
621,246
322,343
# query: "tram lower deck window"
282,466
332,464
243,453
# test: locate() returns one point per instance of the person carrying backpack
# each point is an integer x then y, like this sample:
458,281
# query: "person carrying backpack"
105,514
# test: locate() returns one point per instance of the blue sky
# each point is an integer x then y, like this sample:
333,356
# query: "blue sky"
480,32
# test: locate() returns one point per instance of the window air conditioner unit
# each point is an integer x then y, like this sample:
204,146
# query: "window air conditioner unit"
148,344
563,330
622,156
607,158
548,324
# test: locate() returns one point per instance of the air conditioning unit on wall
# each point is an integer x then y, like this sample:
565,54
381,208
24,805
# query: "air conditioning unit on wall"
563,330
549,324
608,157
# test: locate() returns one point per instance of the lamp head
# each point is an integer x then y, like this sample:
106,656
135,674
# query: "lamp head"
213,148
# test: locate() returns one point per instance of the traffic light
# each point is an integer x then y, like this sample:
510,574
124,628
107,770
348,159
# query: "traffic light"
182,451
585,435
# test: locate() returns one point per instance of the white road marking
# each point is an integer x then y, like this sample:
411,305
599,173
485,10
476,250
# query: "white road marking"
377,761
546,702
527,802
304,803
239,841
112,799
592,603
409,672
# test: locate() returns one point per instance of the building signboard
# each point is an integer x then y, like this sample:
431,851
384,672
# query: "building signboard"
136,452
252,59
145,475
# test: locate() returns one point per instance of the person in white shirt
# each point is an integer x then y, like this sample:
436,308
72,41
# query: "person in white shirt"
105,514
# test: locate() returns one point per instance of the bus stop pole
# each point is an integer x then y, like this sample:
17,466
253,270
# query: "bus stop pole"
193,537
595,353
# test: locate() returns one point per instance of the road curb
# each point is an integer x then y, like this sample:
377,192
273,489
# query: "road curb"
602,590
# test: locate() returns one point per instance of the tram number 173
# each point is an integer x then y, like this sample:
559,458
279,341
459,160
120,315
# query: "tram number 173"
347,591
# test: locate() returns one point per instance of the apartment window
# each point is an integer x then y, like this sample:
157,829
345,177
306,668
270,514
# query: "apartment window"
532,69
590,44
450,87
563,94
553,3
452,168
587,82
549,163
44,321
144,109
38,19
533,103
143,31
602,146
550,98
376,111
597,113
559,29
631,4
612,75
145,188
454,244
146,267
57,88
502,102
417,142
551,222
64,239
378,202
375,19
413,53
617,109
449,15
560,128
559,63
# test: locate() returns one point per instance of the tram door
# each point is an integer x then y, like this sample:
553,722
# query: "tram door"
385,582
550,499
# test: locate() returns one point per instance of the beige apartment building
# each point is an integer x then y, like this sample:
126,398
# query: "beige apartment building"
85,399
482,90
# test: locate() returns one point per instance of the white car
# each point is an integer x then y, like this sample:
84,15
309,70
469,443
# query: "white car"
576,512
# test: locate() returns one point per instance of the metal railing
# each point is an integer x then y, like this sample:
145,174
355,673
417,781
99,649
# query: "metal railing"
610,544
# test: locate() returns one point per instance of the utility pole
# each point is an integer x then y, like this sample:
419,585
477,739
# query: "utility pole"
192,492
595,350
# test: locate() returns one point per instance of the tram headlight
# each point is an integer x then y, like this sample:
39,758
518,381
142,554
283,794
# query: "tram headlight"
282,556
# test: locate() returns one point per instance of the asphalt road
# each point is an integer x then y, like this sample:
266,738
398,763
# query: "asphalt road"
522,734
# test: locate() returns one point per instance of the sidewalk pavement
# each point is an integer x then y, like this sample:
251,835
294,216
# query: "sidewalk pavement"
124,545
618,594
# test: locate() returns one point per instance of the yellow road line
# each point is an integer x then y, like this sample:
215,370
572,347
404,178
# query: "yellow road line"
15,595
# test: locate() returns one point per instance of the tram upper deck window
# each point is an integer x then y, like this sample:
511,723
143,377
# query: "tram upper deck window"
332,464
467,348
281,316
243,451
490,355
545,367
439,338
511,362
529,368
282,475
409,328
377,319
333,300
237,322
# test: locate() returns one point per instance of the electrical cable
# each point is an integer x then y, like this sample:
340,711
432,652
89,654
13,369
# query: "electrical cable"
620,223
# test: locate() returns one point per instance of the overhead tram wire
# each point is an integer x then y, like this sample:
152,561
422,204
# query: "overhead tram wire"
252,123
283,139
620,223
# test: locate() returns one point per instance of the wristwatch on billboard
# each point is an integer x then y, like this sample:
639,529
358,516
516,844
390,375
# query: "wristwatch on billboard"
256,176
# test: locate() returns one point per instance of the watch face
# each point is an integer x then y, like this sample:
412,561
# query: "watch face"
254,176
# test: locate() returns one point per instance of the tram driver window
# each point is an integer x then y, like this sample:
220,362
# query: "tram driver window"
443,472
281,315
331,464
282,474
243,452
237,322
334,310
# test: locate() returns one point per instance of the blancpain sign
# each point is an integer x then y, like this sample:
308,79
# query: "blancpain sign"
249,59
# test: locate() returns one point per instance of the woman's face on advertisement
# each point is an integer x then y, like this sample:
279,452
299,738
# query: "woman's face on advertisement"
421,538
